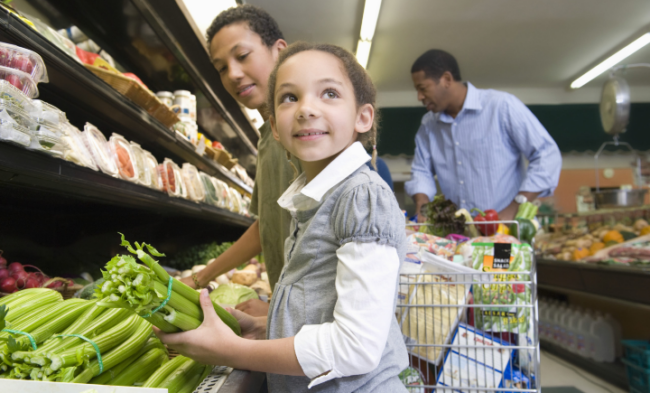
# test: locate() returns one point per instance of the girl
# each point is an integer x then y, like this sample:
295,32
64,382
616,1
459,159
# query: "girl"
330,326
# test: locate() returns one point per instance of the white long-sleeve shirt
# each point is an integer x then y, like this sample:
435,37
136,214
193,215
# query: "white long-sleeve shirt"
353,343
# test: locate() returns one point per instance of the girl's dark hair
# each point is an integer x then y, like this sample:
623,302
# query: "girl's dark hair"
258,20
364,89
435,62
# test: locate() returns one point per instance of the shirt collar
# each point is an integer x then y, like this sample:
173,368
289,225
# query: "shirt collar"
472,102
341,167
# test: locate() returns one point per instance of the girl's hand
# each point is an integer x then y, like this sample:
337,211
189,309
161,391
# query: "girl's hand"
253,328
211,343
254,307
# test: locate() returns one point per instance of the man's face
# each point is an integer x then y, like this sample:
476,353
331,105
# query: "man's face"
433,94
244,63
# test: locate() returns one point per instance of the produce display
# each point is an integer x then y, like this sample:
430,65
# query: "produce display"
197,255
589,241
14,277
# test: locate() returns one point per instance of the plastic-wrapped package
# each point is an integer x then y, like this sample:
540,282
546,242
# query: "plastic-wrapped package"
75,148
9,95
23,60
46,138
20,80
210,190
223,194
11,131
246,205
99,150
192,181
151,165
126,165
144,176
171,179
236,200
41,110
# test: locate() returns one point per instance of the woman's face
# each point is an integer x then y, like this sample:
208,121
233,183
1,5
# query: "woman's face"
316,114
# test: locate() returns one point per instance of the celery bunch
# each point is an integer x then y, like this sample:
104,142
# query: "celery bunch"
179,375
143,289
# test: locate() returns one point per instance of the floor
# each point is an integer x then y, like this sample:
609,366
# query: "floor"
557,373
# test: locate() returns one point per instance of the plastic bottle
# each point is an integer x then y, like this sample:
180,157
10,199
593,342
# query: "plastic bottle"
574,330
618,334
557,329
584,339
543,320
603,334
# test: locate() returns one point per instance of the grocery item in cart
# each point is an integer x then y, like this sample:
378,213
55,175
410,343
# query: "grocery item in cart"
23,60
503,259
151,166
75,149
439,246
124,158
430,300
14,126
192,181
99,150
171,179
144,176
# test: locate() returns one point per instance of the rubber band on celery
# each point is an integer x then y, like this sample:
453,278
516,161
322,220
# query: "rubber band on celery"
164,302
29,336
91,342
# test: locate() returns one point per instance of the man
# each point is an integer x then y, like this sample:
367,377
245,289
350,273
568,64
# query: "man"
475,141
245,42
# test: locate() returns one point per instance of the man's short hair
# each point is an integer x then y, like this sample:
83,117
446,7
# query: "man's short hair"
436,62
258,21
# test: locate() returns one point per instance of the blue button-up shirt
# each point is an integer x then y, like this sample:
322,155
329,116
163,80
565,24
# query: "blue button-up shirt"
480,156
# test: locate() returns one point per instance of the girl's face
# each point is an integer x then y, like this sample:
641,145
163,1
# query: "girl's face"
316,114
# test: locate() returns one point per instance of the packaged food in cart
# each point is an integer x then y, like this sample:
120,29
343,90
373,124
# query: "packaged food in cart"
210,190
144,176
151,165
15,125
20,80
124,158
99,150
75,148
170,174
506,289
192,181
23,60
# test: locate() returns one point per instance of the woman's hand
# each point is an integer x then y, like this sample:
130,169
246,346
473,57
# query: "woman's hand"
254,307
211,343
253,328
188,281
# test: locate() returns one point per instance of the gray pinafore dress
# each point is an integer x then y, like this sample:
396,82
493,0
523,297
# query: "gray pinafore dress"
361,208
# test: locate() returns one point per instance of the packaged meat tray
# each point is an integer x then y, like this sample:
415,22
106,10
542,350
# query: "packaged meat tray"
151,165
126,164
23,60
75,148
171,179
101,153
144,176
20,80
193,183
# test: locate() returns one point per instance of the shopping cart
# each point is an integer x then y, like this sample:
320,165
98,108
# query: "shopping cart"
469,330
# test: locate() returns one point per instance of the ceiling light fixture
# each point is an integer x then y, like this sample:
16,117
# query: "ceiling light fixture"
611,61
368,26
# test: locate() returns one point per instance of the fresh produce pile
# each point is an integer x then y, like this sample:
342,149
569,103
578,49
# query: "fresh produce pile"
197,255
441,213
49,339
149,291
14,277
581,242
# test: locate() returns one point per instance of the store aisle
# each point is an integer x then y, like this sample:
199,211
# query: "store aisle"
557,372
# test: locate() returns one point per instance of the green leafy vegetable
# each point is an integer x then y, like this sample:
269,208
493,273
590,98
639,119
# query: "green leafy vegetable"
197,255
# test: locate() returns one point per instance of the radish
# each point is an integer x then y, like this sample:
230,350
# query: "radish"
8,285
3,262
21,278
4,273
16,267
32,283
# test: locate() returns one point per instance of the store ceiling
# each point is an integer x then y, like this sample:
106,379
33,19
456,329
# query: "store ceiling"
498,43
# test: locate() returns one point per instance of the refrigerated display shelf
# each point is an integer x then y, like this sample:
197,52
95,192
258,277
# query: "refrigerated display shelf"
24,169
629,283
84,96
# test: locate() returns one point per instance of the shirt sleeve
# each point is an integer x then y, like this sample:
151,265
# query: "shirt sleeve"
353,344
530,137
422,172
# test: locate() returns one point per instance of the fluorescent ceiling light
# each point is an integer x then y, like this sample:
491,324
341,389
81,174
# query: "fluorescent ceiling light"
611,61
363,52
368,26
369,21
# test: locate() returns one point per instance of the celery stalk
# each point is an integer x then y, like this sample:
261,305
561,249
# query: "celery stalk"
23,307
195,381
108,377
118,354
33,321
105,342
179,302
181,320
182,375
22,296
158,320
142,368
164,371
